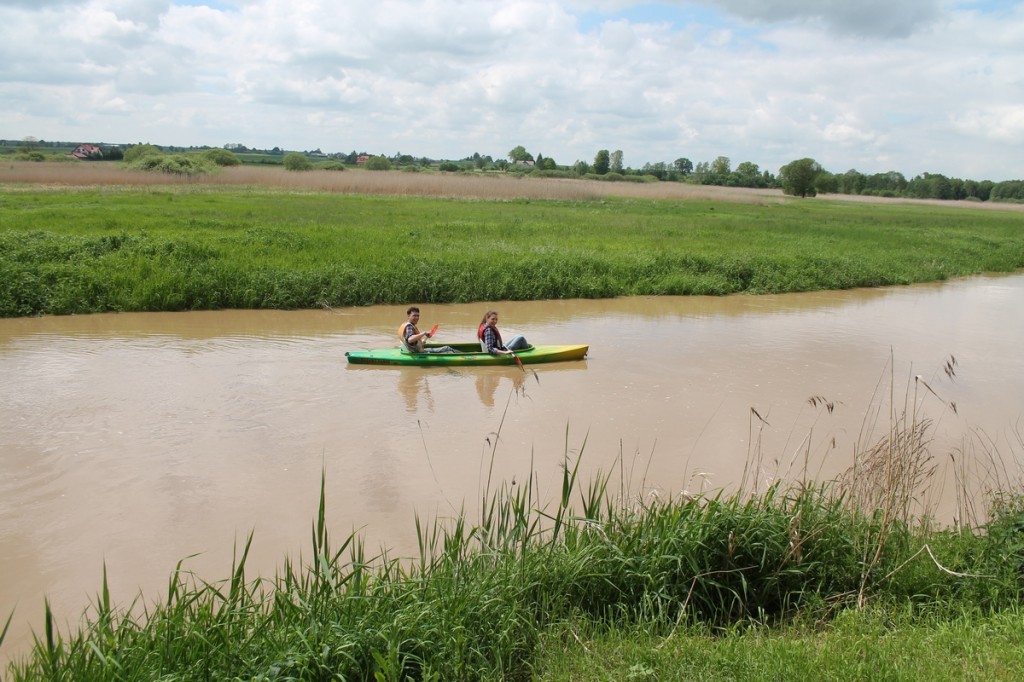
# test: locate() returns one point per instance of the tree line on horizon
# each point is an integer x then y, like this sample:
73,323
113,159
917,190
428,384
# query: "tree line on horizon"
801,177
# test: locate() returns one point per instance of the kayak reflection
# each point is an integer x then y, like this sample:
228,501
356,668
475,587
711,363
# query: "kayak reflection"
487,384
426,389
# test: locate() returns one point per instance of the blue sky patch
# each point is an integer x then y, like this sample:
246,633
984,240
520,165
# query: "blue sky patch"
678,16
222,5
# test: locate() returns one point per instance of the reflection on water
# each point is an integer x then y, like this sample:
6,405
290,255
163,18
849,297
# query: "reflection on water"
487,385
135,440
414,383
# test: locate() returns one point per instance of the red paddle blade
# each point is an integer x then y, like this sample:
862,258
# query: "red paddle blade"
434,330
518,361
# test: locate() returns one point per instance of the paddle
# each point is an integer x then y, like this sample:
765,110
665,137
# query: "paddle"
432,332
518,361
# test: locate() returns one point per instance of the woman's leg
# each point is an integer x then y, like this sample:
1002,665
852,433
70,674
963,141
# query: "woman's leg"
517,343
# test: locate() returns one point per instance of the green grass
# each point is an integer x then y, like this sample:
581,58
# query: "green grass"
118,249
879,643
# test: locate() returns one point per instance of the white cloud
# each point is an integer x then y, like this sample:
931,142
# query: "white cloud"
921,86
1002,124
870,18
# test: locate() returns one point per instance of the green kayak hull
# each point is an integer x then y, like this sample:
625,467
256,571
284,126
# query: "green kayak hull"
469,355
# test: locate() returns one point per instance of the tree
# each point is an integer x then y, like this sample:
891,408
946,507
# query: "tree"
546,163
852,182
684,166
798,177
616,161
826,183
721,168
747,174
297,162
979,190
1008,190
891,182
519,154
658,170
930,186
701,172
602,162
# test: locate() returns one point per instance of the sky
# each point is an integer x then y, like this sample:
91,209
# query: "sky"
911,86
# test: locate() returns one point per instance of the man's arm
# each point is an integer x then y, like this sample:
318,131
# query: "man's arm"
415,338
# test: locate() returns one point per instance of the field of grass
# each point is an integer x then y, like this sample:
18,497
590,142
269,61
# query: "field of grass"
110,246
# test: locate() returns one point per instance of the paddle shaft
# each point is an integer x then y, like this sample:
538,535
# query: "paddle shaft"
518,361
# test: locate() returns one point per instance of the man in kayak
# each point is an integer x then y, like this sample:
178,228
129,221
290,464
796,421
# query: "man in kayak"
413,339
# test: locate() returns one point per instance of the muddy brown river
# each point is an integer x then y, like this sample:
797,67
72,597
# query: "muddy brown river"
138,440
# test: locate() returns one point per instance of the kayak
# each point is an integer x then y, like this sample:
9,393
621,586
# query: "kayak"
469,355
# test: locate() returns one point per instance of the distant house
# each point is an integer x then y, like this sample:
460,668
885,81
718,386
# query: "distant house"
87,151
362,158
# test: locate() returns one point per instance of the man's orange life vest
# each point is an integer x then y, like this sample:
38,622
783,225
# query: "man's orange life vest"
401,330
416,347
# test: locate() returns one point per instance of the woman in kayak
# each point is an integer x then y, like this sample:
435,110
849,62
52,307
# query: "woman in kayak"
490,337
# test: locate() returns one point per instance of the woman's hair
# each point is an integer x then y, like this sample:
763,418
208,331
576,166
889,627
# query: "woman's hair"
488,314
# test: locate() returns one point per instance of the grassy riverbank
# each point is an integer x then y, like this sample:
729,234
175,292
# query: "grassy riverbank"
832,581
714,589
191,247
879,643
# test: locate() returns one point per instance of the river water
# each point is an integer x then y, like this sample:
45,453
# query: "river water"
138,440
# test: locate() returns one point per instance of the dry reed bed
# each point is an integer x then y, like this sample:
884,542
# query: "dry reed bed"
496,186
499,186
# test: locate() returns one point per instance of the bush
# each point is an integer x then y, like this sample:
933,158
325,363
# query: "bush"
333,166
297,162
221,157
378,163
178,164
31,156
556,173
138,151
